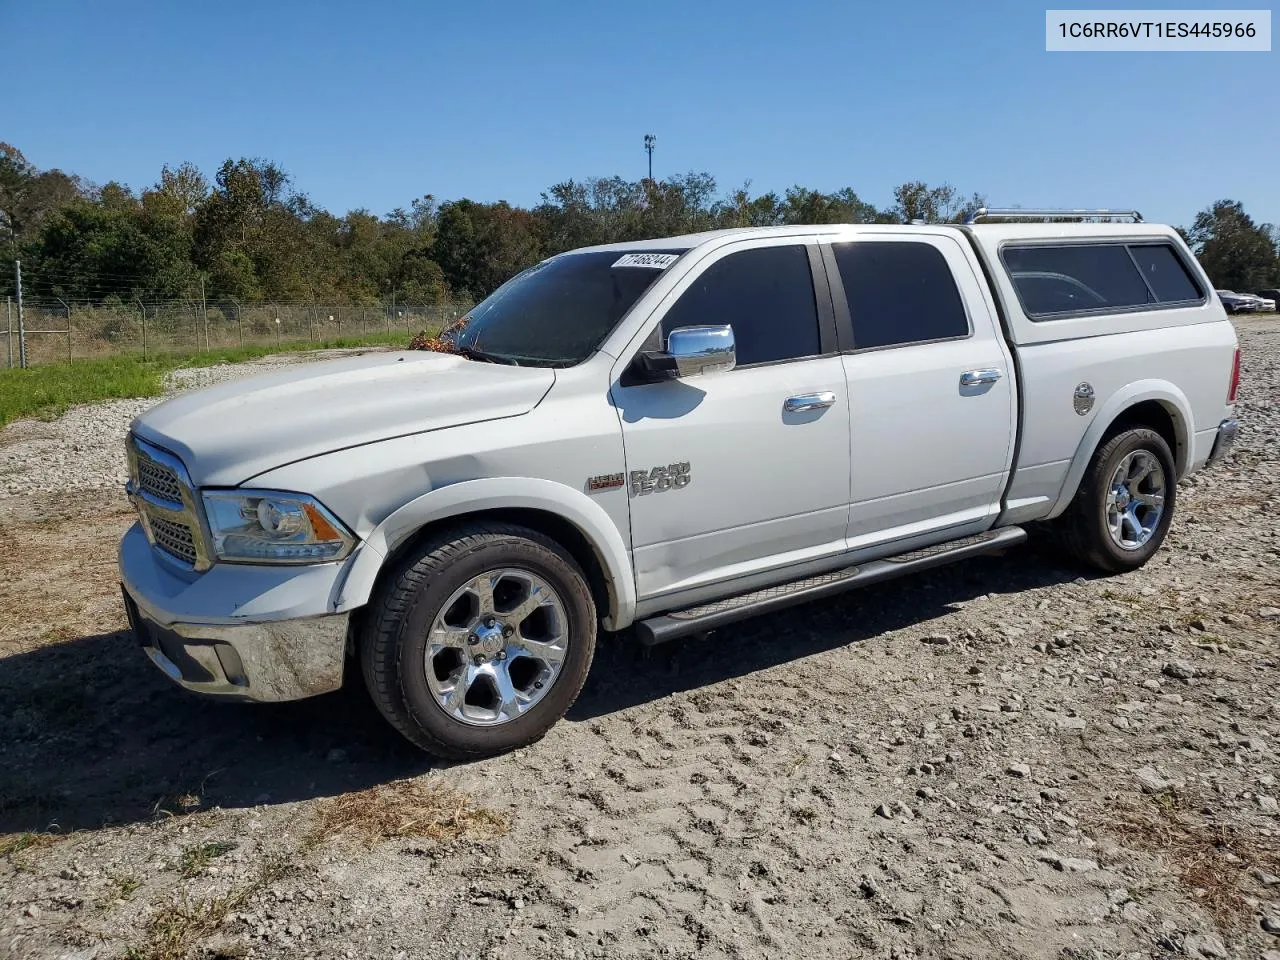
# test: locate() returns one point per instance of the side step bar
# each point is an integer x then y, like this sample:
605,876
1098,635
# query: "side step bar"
680,623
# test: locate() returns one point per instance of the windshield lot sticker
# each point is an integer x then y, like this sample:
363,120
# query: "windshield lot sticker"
673,477
654,261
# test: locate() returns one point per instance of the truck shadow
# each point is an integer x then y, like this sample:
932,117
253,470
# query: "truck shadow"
625,675
91,734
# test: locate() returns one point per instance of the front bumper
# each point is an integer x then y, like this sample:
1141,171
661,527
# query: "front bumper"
1228,430
244,633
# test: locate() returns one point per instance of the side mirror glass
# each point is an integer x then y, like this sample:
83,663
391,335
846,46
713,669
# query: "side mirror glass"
699,350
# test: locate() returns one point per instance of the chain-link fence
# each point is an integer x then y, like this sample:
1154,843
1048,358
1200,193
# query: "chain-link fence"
64,331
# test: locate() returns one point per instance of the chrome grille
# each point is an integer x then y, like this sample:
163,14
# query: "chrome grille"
158,480
167,503
175,538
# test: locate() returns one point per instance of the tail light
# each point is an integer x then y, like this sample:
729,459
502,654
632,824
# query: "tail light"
1235,378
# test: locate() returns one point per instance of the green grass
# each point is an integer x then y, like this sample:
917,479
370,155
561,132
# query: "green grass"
49,390
194,860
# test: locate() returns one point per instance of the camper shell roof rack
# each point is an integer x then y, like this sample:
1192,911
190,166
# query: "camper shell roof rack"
1019,213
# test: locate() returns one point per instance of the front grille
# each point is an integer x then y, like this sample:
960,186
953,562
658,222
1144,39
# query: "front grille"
167,503
174,538
158,480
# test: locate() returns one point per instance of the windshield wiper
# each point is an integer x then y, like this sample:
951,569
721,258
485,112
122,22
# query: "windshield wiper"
471,353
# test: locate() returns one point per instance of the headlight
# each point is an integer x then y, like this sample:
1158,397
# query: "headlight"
264,526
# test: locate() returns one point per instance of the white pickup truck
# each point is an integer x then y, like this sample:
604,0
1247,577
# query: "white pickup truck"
668,436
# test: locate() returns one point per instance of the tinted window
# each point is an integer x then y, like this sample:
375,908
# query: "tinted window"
558,312
1165,273
1078,277
765,294
899,293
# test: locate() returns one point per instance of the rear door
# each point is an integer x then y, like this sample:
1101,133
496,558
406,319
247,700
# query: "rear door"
931,387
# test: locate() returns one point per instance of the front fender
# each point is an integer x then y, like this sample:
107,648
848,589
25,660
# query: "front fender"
1130,395
499,493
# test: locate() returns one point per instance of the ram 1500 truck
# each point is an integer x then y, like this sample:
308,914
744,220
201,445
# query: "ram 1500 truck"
670,435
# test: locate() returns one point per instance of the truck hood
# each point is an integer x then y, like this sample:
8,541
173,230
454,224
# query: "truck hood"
229,433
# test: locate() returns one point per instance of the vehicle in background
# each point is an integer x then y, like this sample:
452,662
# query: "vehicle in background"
1272,295
1234,302
1266,304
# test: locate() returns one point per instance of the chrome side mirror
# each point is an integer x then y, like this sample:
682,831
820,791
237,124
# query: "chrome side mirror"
699,350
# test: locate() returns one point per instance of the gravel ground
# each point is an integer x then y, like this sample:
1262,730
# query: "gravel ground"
999,758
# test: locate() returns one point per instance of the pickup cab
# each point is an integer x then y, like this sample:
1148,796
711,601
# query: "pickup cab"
662,437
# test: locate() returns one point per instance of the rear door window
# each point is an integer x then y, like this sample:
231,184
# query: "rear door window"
899,293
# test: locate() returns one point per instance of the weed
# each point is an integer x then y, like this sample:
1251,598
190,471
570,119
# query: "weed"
194,860
1213,861
123,887
176,927
406,808
11,843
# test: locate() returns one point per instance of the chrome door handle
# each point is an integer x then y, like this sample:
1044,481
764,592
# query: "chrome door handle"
809,401
973,378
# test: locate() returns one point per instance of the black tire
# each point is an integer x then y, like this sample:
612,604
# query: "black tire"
393,641
1083,528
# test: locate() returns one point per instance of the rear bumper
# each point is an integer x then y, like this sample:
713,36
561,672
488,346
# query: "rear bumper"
284,645
1228,430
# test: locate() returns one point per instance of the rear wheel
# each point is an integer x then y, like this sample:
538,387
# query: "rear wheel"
480,641
1123,509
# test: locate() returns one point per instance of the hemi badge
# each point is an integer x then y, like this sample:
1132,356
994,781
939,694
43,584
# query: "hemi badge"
606,481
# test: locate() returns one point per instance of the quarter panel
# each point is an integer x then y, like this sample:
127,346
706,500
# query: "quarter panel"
1186,368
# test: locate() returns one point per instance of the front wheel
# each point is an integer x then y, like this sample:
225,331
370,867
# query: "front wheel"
480,641
1122,511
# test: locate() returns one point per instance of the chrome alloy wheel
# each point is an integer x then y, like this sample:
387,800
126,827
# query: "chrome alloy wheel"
1135,500
496,646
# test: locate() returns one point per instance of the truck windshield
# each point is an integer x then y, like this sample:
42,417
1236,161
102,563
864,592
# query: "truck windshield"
557,313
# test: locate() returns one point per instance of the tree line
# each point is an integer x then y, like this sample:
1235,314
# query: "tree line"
253,235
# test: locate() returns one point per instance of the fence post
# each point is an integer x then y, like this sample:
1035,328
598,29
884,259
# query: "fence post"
144,328
204,312
8,340
22,323
311,322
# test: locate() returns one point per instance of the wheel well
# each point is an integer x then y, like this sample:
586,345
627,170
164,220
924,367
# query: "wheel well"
1153,415
549,524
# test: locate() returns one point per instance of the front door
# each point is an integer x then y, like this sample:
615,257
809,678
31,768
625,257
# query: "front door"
736,473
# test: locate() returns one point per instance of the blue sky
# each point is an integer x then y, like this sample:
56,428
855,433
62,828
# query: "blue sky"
371,104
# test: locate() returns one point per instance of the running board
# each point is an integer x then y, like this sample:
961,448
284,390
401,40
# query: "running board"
708,616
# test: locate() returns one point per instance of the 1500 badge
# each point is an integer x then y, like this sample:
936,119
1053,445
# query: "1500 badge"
675,476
